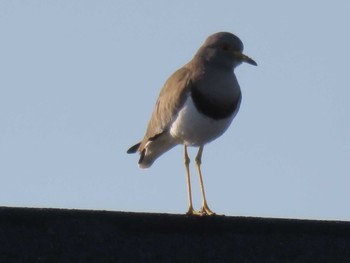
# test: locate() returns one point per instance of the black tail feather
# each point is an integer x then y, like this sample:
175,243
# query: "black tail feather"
142,155
133,149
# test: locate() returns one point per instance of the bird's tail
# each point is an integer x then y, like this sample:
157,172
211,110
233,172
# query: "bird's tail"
134,148
153,149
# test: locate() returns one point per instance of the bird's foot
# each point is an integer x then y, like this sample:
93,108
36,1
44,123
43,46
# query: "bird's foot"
205,211
192,212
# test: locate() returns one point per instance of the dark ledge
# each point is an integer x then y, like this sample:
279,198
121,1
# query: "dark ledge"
59,235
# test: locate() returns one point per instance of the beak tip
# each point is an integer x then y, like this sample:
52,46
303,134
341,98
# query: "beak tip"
244,58
250,61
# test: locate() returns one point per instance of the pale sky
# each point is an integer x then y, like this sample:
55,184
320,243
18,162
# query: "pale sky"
79,80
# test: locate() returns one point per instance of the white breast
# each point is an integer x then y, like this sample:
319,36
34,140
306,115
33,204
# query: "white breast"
195,129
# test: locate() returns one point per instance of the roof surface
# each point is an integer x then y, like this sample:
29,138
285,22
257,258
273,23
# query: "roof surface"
59,235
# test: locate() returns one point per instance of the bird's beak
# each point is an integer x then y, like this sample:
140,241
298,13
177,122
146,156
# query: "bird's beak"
241,57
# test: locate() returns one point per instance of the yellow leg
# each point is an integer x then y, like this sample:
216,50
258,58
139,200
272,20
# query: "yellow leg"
190,210
205,208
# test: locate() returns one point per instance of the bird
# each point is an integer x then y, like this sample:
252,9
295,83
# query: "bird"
196,106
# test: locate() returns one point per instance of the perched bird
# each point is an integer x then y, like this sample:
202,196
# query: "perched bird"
195,106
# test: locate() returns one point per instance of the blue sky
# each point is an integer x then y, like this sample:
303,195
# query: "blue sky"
79,80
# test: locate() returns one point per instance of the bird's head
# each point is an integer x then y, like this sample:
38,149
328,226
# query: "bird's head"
223,49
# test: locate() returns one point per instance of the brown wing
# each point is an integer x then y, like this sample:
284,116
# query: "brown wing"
172,96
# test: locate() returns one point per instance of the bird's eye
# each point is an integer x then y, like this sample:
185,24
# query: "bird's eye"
225,47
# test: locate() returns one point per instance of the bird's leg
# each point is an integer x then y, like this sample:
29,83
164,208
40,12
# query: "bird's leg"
190,210
205,210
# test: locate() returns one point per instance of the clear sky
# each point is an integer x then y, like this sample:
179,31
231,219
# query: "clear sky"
79,79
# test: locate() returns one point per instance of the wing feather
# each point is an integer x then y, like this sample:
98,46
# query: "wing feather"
171,98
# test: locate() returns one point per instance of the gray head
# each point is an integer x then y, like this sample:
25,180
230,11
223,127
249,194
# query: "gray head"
223,49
